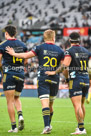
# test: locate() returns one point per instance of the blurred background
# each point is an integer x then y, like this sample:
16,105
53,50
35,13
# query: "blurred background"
33,17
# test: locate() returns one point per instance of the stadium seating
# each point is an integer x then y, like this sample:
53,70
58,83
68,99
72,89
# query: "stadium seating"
47,10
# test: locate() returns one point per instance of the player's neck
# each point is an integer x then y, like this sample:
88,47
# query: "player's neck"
51,42
72,44
9,37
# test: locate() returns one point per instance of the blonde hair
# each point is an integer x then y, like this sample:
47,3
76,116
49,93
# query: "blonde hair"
49,35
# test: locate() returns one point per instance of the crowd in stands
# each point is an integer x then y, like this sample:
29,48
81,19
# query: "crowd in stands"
53,13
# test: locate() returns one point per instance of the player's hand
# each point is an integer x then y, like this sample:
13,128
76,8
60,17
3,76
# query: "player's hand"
50,73
10,51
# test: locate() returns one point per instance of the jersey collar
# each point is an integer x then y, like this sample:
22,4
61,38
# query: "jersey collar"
12,39
49,43
76,45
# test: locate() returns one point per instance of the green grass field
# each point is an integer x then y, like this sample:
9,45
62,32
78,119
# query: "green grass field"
63,122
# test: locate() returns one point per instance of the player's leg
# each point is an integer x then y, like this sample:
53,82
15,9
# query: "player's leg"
83,107
46,114
10,105
45,111
18,105
77,103
9,90
43,91
51,110
84,94
53,93
75,90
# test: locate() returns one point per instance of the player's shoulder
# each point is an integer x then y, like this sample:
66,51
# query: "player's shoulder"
84,48
19,41
21,44
58,47
68,50
4,42
73,48
39,45
59,50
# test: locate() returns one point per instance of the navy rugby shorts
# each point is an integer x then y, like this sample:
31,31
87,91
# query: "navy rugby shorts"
47,88
79,86
13,82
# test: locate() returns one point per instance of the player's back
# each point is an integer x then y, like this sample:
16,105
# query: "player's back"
80,56
11,63
49,56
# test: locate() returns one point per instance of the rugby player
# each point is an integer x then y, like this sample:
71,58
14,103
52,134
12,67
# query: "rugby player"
13,76
76,58
50,56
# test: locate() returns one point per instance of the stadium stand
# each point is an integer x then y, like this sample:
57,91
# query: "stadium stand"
68,13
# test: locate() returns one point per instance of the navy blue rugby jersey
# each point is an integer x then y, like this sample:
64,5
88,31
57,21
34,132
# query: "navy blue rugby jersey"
11,63
79,62
49,56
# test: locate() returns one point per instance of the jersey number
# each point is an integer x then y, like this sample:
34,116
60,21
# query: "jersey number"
16,59
50,62
83,64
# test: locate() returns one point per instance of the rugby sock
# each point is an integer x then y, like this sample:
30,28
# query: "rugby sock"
13,124
51,114
19,113
81,126
46,116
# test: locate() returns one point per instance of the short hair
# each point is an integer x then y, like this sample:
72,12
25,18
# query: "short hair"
11,30
74,37
49,35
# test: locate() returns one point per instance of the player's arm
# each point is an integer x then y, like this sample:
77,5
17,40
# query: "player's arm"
26,55
25,62
65,73
66,63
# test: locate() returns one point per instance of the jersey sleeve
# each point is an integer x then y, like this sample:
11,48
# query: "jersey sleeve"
67,53
35,50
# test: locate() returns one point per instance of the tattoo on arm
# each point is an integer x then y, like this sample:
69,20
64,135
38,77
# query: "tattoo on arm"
60,69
